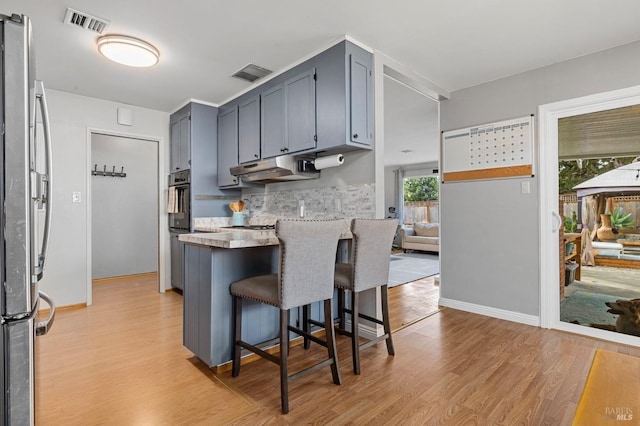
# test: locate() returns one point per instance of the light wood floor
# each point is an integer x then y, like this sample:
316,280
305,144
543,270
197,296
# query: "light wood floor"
121,362
412,302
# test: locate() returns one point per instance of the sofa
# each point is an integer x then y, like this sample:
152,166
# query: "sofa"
420,236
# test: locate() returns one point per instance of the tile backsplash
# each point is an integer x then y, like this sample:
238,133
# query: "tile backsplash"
319,203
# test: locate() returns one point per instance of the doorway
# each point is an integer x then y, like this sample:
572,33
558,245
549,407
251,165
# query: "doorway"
550,219
410,145
124,207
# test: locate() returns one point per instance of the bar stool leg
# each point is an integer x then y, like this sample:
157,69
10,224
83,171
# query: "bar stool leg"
284,353
385,319
237,334
331,340
341,314
355,332
306,314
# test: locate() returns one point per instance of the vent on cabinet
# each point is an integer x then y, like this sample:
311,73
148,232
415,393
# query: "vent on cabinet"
86,21
251,73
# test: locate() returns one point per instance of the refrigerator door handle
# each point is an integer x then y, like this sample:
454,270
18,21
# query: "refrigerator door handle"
43,327
45,180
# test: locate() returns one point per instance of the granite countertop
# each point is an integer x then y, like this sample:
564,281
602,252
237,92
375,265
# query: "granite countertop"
224,237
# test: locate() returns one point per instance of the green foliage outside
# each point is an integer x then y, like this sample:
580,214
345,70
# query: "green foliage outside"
573,172
571,223
421,189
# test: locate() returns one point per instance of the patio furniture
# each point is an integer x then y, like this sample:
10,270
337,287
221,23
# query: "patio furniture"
630,244
601,245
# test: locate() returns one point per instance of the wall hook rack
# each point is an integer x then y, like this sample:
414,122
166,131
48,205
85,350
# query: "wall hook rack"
104,172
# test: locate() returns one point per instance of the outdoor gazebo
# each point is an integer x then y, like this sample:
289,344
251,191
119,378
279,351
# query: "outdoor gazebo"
625,180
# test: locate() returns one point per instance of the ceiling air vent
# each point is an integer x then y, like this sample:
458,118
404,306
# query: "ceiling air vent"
251,73
86,21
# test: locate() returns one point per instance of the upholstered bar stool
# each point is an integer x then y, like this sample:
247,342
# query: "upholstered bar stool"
368,268
305,275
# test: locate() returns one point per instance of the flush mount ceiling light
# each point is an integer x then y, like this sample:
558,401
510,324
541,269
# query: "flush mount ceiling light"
128,51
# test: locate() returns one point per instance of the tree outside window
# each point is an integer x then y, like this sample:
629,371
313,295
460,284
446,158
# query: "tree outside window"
421,189
421,200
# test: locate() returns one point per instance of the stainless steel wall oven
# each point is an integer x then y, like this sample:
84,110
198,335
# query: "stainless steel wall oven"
179,200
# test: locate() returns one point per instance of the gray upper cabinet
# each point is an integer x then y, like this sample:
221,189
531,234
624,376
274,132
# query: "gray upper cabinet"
180,152
288,116
194,146
360,91
227,145
249,130
272,122
322,106
300,112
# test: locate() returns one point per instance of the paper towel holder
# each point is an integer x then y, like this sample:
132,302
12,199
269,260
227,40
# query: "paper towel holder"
319,163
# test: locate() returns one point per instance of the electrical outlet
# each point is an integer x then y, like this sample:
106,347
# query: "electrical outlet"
76,197
525,187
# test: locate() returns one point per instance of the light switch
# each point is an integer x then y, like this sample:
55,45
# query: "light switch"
76,197
525,187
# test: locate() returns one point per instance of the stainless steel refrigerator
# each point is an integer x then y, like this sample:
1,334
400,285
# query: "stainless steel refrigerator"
25,216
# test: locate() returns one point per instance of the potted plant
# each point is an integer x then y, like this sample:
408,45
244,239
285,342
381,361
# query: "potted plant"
620,220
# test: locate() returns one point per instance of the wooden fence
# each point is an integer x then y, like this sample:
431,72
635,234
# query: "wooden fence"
421,211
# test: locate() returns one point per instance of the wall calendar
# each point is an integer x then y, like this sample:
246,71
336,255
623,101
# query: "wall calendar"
492,151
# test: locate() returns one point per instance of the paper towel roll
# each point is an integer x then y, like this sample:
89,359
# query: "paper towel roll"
330,161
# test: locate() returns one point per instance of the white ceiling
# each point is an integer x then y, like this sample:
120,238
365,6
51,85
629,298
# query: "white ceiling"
454,43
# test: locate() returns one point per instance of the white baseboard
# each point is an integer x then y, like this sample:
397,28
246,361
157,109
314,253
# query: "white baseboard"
366,331
491,312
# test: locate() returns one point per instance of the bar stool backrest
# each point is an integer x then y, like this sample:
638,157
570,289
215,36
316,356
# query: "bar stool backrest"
372,240
307,260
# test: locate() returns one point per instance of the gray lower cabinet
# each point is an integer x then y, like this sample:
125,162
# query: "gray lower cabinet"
177,254
208,312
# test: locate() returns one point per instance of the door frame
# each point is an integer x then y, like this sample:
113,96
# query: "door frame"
550,219
162,219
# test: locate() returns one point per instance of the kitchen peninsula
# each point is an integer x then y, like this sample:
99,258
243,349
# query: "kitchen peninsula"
212,261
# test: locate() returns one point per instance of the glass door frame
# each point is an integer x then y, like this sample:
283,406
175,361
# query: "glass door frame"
550,219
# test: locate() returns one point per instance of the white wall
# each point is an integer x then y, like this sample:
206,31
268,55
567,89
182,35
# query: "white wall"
124,210
490,245
67,273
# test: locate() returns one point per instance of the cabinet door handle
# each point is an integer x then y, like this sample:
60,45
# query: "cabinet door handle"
355,136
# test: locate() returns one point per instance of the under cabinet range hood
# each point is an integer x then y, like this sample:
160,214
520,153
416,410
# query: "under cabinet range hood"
277,169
